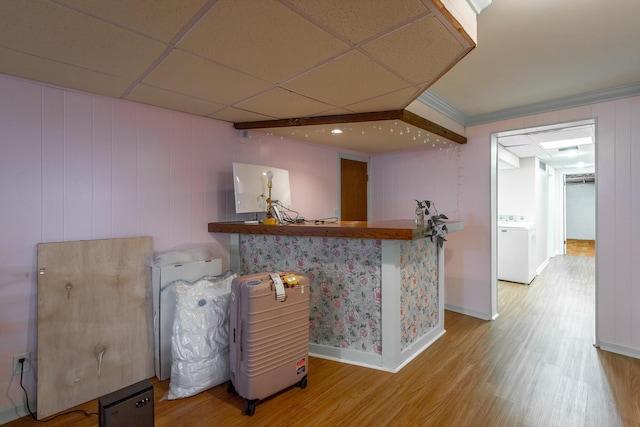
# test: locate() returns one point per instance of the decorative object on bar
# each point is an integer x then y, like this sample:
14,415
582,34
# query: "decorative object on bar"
435,221
270,220
419,216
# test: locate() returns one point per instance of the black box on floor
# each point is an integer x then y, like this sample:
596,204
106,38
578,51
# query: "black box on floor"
129,406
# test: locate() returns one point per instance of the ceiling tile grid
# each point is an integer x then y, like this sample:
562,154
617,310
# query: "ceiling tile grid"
280,103
262,38
354,23
234,60
48,30
185,73
157,19
174,101
427,49
56,73
341,82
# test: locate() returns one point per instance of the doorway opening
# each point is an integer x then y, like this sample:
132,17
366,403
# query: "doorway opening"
529,184
580,210
353,191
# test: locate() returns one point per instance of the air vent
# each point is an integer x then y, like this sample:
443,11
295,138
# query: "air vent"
542,165
583,178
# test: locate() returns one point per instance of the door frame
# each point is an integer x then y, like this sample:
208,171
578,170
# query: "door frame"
356,158
494,216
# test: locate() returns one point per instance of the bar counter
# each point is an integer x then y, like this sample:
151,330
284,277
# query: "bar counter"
401,229
376,288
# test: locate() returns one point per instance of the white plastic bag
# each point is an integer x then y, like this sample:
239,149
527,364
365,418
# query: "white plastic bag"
200,341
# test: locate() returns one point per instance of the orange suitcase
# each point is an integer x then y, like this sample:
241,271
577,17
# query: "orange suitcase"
269,334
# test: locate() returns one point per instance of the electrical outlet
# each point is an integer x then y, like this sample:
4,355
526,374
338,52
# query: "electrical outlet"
26,366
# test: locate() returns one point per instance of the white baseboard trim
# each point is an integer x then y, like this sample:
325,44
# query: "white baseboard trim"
408,354
15,411
344,355
620,349
467,312
321,353
542,267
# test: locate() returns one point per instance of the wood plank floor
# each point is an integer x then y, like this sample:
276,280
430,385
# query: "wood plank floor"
581,247
535,365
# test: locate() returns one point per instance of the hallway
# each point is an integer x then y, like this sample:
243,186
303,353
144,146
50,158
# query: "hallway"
581,247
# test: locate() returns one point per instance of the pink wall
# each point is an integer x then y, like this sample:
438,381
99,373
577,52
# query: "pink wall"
461,186
78,166
457,180
75,166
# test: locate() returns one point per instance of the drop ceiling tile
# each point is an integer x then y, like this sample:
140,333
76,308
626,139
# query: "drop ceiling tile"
428,48
390,101
514,140
262,38
570,133
235,115
333,112
159,19
356,23
283,104
192,75
61,34
347,80
173,101
55,73
523,151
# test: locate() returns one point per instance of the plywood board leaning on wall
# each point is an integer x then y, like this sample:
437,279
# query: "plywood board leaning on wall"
94,320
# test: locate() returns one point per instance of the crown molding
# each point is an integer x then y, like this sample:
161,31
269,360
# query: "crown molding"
432,101
479,5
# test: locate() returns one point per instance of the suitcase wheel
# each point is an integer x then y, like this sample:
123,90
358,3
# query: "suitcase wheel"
251,407
303,382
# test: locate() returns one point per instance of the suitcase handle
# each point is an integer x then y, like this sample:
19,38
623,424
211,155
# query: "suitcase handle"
241,329
240,337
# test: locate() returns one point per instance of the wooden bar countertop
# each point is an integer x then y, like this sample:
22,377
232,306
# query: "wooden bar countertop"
402,229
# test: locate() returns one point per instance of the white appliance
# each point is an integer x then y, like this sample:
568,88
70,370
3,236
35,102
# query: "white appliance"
164,304
516,251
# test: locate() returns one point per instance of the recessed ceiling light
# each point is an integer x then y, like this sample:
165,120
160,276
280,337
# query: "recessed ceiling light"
566,143
336,131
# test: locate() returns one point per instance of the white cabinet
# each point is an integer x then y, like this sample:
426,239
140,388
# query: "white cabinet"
516,253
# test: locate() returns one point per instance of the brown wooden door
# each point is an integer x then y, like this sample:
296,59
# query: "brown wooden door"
353,190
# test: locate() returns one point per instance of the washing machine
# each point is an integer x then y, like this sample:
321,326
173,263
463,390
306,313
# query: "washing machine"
516,251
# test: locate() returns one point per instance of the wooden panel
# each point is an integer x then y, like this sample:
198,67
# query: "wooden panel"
634,235
124,181
102,169
94,320
78,171
399,230
623,221
181,147
154,174
52,153
606,318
